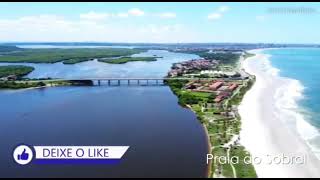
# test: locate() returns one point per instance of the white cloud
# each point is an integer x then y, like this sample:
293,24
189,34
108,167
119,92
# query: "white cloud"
214,16
98,16
168,15
223,9
136,12
59,29
218,14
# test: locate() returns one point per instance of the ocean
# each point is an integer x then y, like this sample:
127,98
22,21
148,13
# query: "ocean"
300,97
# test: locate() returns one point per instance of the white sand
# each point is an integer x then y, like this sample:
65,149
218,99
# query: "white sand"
268,122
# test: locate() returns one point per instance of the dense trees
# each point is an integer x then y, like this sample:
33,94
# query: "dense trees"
67,56
9,48
16,70
188,97
123,60
18,85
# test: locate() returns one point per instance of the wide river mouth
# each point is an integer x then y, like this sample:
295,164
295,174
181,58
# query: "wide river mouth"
165,139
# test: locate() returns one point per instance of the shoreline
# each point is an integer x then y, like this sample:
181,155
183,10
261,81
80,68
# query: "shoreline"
265,128
223,147
205,129
209,166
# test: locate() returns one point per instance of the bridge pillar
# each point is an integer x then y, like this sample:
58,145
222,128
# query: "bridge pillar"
118,82
108,82
147,82
99,83
157,82
138,82
128,81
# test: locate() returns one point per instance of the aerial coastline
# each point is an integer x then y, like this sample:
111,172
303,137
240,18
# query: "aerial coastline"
264,132
236,122
213,100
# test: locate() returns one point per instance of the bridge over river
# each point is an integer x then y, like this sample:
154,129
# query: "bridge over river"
140,81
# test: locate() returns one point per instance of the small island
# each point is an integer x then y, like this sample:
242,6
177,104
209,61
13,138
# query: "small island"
123,60
12,54
14,71
12,77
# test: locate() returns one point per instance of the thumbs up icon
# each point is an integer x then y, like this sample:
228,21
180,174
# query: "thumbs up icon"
23,156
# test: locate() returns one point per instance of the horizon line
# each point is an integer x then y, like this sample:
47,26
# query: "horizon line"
99,42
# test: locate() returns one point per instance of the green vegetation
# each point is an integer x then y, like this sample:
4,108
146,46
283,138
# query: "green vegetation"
123,60
67,56
243,170
18,85
176,84
30,83
76,60
6,49
225,168
236,100
221,128
18,71
224,58
188,97
247,55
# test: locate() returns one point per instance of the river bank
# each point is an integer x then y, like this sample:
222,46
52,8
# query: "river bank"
220,120
266,132
42,83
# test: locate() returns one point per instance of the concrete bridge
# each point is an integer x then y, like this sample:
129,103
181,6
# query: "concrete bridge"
143,81
126,81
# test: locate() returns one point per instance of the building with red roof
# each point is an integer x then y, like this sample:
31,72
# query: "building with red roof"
216,85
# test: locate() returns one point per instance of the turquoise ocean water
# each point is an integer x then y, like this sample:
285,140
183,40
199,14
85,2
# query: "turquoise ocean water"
302,64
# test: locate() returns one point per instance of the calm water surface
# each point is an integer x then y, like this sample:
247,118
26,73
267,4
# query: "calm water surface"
165,139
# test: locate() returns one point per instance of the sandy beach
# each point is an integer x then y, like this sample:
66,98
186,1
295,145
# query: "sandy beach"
268,122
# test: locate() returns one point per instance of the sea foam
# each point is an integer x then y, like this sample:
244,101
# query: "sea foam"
288,94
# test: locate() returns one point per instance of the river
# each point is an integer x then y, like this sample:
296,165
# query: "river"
165,139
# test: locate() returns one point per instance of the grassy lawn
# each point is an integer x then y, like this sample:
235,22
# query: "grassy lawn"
243,169
236,100
223,166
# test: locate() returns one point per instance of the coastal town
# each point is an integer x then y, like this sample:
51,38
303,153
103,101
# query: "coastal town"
214,95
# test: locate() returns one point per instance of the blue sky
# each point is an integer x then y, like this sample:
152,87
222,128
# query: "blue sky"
161,22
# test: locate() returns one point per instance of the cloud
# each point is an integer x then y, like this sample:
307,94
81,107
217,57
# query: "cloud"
167,15
136,12
59,29
214,16
223,9
99,16
218,14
